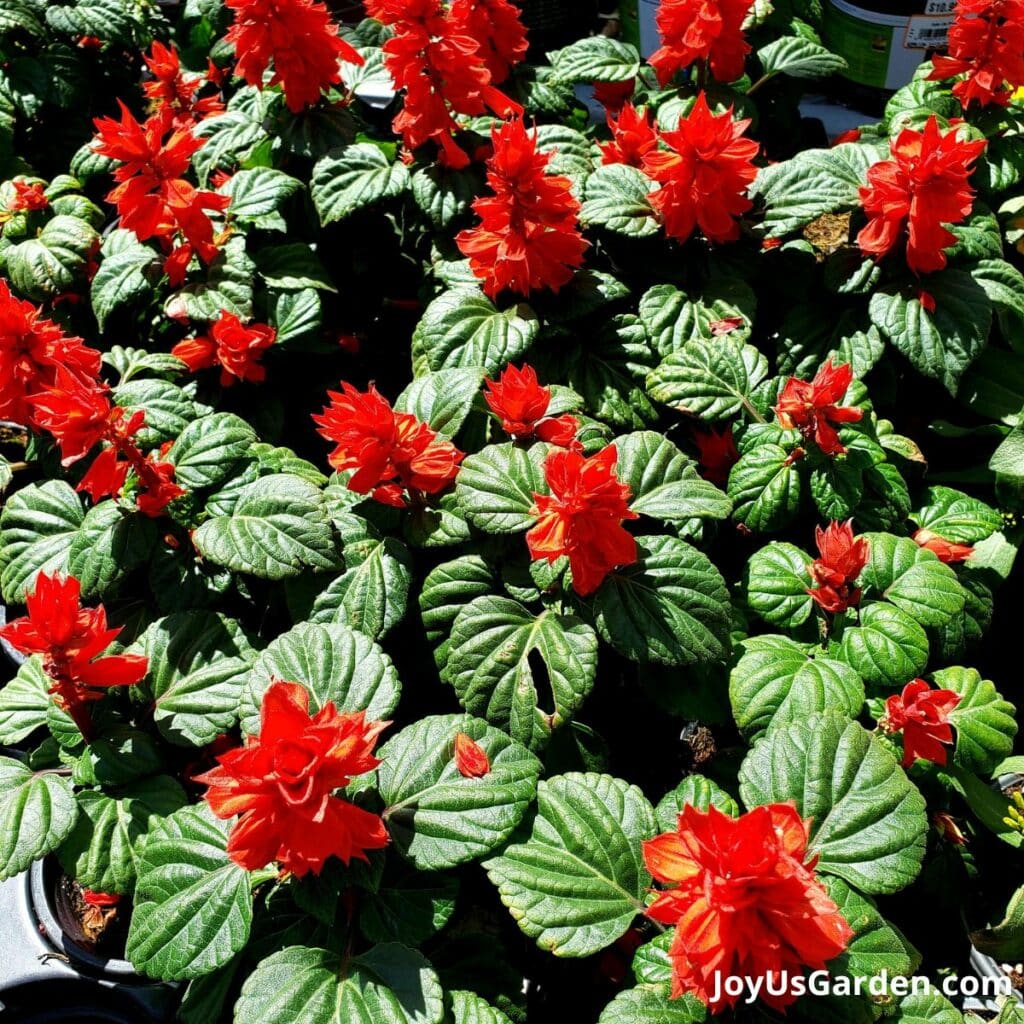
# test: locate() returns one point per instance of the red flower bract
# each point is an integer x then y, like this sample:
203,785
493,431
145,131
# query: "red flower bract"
528,236
582,517
746,901
922,715
633,137
521,404
282,784
921,189
173,93
705,177
841,559
71,639
500,35
301,40
394,455
471,759
811,408
233,346
706,30
717,453
28,196
946,550
986,44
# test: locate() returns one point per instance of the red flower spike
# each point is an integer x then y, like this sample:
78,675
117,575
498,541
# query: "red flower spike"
947,551
528,237
28,196
498,31
71,639
583,516
841,559
282,784
812,407
704,175
745,901
633,137
613,95
173,93
519,401
717,453
986,45
921,714
470,758
235,347
916,193
301,40
701,30
393,454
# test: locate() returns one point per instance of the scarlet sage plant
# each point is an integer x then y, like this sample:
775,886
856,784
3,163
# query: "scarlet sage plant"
472,554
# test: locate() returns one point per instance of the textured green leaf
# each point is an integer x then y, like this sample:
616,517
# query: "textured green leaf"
799,57
595,59
957,516
985,723
258,192
765,489
1005,940
297,316
48,263
120,755
442,399
696,791
37,812
469,1008
495,487
776,585
24,701
121,279
443,193
616,198
672,318
207,451
447,589
410,910
652,1006
110,543
354,179
577,883
927,1008
887,649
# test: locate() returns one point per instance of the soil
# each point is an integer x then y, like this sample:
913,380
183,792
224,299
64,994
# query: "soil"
102,931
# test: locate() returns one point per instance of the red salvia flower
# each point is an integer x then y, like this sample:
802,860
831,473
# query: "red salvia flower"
499,34
746,901
705,175
811,407
841,559
77,413
235,347
282,783
32,350
28,195
947,551
583,516
922,715
173,93
914,195
519,401
717,453
701,30
471,759
986,44
528,236
100,899
633,137
443,71
71,639
394,455
301,40
614,95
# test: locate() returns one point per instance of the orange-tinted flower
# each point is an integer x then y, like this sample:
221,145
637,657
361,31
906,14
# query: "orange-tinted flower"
71,639
282,784
947,827
613,95
841,559
233,346
922,715
850,135
301,40
811,407
717,453
442,70
173,93
519,401
157,488
470,758
499,34
914,195
28,196
701,30
746,901
100,899
393,453
77,413
986,44
528,237
633,137
583,516
948,551
705,177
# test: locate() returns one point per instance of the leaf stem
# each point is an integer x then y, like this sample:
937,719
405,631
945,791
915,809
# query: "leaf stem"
761,81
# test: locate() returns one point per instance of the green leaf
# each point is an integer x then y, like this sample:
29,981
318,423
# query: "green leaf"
168,409
49,263
664,482
671,606
293,267
957,516
868,820
102,852
437,817
672,318
616,198
653,1006
38,526
110,543
709,378
37,813
121,279
357,177
595,59
193,906
463,327
24,702
259,192
699,793
887,649
765,489
776,584
411,909
198,662
297,316
333,662
579,881
301,985
443,399
447,589
489,664
442,193
495,487
926,1008
942,343
207,451
469,1008
1004,285
278,528
1004,941
777,682
799,57
985,723
119,755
